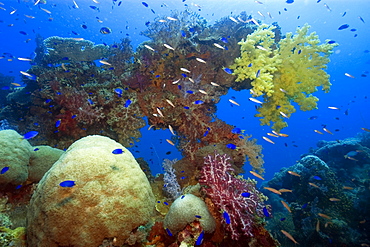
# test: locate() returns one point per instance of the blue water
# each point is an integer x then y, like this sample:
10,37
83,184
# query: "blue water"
128,19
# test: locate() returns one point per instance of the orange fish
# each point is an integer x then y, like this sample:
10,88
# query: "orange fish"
16,84
268,139
289,236
347,188
286,206
334,199
362,221
318,132
170,142
318,226
314,185
294,173
285,190
365,129
272,190
327,131
256,175
324,216
283,135
270,134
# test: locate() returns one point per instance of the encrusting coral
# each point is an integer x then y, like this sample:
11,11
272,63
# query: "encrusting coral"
286,72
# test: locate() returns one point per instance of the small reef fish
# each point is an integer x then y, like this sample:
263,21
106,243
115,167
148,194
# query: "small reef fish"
268,139
226,217
191,80
170,102
45,10
285,190
175,82
266,212
75,4
327,7
318,132
160,112
324,216
57,123
287,234
256,175
30,135
105,62
200,239
261,48
255,100
361,19
327,131
227,70
233,102
185,70
294,173
171,18
216,85
318,226
347,188
16,84
333,107
231,146
219,46
170,142
365,129
260,14
4,170
245,194
26,74
12,12
349,75
233,19
198,102
169,232
200,60
118,151
168,47
286,206
344,26
283,114
67,183
148,47
273,135
333,199
272,190
314,185
171,129
202,91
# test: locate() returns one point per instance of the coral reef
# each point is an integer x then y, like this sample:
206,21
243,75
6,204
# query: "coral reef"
66,50
110,192
326,195
240,203
283,72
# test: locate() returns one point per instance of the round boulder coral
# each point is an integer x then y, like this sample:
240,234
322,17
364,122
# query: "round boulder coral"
15,152
185,210
109,197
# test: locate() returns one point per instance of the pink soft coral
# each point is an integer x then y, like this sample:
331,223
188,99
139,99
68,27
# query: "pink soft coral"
238,199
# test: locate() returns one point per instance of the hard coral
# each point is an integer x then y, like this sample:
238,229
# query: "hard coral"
238,199
288,71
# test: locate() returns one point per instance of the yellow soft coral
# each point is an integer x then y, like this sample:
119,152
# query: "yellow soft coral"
288,71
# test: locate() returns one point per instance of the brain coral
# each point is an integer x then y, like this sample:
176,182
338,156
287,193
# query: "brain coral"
15,153
110,198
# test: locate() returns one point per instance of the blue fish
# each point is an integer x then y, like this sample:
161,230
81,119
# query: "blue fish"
186,107
105,30
304,205
165,203
67,183
117,151
189,91
250,65
206,133
236,131
169,232
317,177
200,239
198,216
299,52
18,187
36,149
30,135
4,170
289,1
246,194
119,4
191,30
74,116
47,101
231,146
258,73
266,212
57,123
90,101
182,197
226,217
145,4
353,30
118,91
127,103
94,7
227,70
184,75
223,39
198,102
344,26
183,33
